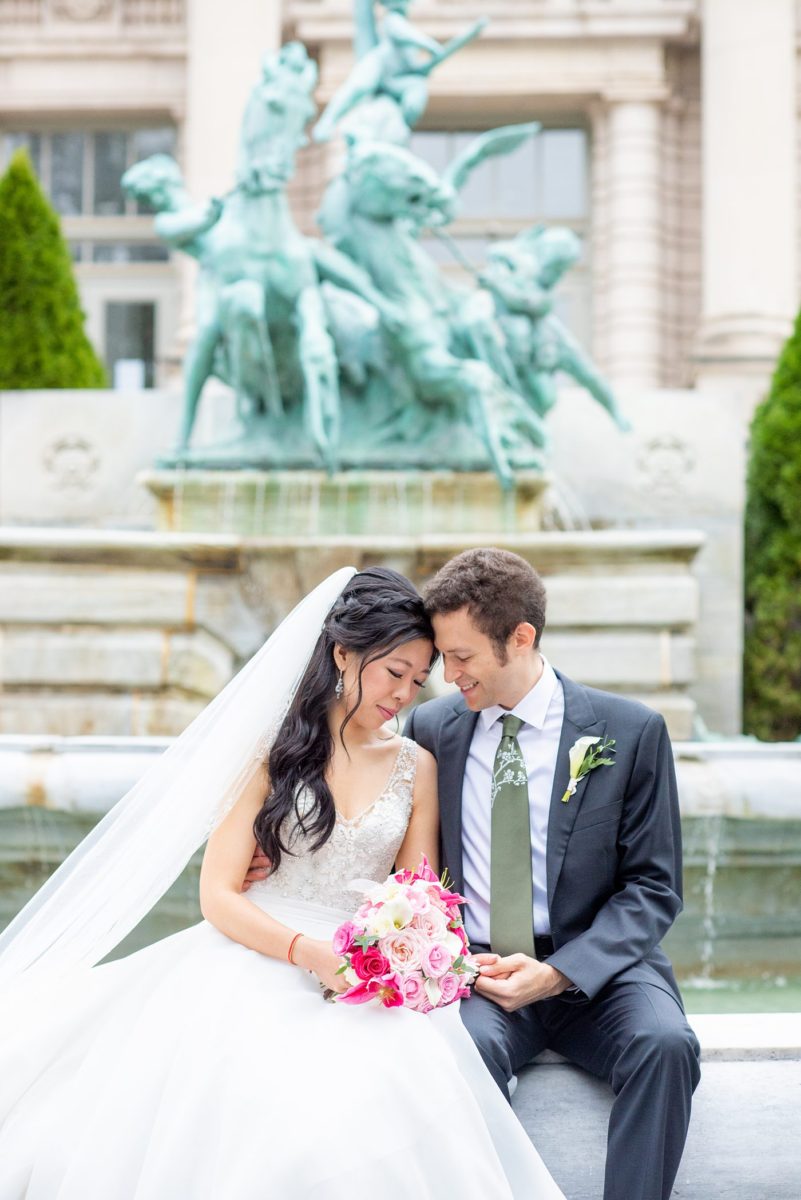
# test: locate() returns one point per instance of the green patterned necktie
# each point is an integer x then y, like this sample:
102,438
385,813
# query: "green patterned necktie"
511,889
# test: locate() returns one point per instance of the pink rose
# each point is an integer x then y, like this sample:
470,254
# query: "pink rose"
449,987
431,924
370,963
414,993
436,960
403,949
343,938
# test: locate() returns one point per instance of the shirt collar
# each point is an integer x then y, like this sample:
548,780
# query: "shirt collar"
533,708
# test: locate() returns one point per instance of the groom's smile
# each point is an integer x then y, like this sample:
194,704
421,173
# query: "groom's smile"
485,671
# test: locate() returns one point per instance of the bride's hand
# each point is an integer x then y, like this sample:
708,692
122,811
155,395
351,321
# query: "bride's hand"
318,956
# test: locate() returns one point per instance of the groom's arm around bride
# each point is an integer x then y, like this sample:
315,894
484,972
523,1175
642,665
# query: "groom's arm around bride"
572,882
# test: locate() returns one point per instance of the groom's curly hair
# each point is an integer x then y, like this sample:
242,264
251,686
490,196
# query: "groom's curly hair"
499,589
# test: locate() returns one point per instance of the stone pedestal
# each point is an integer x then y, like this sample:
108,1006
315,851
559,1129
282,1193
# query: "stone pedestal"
374,503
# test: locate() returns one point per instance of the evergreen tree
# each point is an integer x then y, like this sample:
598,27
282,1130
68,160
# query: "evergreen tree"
42,339
772,668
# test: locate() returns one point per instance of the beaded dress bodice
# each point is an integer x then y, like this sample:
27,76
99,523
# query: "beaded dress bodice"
362,848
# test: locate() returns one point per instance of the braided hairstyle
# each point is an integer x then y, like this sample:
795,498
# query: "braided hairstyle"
377,612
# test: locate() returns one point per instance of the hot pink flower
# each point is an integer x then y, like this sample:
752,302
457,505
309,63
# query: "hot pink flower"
343,937
436,960
372,989
370,963
390,992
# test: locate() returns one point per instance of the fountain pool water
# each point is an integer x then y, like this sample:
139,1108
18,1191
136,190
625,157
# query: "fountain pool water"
736,946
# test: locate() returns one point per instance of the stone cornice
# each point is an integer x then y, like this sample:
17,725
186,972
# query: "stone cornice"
81,48
674,20
227,551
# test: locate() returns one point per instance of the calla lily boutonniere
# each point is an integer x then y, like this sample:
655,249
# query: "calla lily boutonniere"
585,756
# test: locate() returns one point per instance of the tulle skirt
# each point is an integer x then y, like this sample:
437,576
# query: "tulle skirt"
199,1070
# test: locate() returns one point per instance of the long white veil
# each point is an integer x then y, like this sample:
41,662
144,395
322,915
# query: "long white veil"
119,871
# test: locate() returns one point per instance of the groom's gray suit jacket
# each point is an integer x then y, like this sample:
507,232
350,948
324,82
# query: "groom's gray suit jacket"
613,859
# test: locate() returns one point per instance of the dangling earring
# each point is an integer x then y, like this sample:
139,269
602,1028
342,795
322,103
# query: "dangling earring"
340,688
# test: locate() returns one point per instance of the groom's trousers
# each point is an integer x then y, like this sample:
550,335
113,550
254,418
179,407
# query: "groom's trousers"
632,1034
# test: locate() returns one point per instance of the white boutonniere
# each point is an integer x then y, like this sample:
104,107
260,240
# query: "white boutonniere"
585,756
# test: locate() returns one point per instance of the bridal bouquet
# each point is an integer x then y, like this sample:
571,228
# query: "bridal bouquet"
406,945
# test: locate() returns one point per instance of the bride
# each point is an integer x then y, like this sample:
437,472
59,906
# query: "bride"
209,1066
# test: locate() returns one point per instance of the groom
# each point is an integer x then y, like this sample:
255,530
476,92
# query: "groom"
572,883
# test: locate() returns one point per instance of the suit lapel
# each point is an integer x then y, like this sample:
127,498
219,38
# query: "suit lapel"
579,720
456,734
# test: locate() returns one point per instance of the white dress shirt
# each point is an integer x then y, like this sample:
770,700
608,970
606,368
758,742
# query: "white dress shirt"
541,711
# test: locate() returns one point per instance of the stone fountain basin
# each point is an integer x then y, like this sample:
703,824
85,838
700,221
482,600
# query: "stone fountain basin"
741,807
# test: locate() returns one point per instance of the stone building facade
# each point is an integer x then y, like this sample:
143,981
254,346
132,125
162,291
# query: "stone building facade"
671,136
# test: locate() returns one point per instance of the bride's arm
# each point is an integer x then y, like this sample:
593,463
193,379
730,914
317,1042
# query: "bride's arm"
422,836
227,858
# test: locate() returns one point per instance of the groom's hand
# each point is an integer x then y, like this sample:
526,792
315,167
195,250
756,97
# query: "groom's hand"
259,869
517,980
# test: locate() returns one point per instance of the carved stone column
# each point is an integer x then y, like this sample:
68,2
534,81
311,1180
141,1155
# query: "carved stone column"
225,46
749,187
632,299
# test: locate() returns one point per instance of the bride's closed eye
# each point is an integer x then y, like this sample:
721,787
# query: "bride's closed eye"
398,675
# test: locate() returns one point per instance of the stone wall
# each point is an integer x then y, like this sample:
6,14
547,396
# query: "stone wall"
132,633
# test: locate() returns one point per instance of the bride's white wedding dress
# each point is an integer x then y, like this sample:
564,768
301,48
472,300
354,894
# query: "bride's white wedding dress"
197,1069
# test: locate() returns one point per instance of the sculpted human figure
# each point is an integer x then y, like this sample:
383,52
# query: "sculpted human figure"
262,323
231,319
521,275
389,73
374,213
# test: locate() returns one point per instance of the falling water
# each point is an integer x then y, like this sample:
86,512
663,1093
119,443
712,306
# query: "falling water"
713,842
178,499
228,504
259,498
562,509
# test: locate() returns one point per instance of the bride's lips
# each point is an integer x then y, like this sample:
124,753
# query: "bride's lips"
387,713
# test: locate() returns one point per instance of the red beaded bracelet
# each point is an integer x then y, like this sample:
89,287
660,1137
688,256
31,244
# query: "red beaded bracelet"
292,947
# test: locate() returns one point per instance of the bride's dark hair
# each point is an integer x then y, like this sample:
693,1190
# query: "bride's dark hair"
377,612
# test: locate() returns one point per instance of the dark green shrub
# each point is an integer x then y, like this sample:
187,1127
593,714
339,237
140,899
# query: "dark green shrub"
772,667
42,339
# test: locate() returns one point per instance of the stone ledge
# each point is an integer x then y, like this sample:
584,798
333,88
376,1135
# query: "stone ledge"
733,1037
33,543
740,1144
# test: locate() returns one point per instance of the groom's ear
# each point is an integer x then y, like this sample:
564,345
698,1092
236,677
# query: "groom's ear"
524,637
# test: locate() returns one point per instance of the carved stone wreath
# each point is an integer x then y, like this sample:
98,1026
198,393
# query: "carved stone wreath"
82,10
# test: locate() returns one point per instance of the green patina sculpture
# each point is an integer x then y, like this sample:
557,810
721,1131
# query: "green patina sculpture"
386,93
374,213
354,350
521,275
